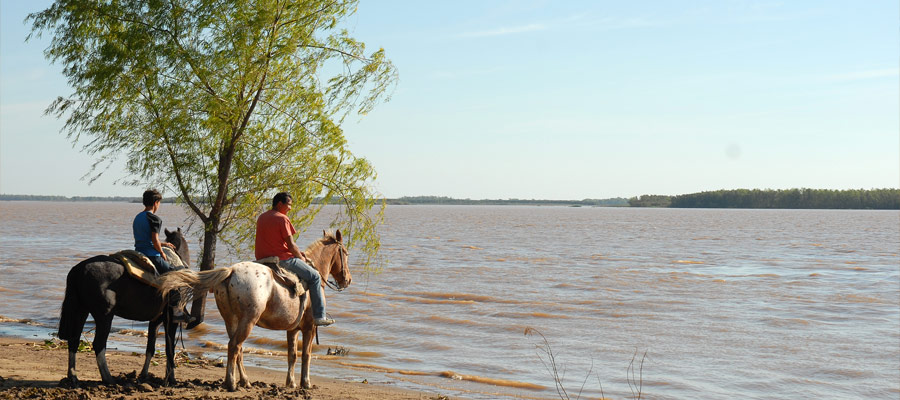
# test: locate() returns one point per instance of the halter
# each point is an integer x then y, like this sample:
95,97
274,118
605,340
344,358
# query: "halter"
341,252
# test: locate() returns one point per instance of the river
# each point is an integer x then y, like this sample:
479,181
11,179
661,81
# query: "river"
701,303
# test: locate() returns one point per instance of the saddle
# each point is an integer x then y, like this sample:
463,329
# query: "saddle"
140,267
284,277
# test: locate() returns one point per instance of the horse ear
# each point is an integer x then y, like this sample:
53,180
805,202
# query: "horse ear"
337,235
179,229
168,233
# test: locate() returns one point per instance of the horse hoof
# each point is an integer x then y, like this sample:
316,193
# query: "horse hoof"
69,383
230,388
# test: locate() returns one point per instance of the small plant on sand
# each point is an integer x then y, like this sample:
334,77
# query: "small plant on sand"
634,379
54,343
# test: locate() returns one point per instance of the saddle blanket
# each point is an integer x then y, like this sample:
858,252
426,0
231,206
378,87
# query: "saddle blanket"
138,266
283,276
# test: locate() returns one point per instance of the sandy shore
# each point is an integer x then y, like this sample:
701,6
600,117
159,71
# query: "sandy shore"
34,369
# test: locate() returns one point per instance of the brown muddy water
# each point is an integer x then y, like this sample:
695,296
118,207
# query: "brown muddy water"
724,303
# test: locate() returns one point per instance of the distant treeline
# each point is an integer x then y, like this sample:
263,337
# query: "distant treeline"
873,199
614,202
28,197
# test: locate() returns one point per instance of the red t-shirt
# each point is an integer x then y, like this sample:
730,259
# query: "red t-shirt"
271,229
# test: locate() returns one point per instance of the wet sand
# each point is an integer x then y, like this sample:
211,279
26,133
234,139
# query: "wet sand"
35,369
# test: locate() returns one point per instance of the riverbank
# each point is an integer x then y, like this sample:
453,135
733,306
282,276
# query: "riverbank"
35,369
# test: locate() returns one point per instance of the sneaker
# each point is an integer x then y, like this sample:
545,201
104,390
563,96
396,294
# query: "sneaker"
180,317
324,321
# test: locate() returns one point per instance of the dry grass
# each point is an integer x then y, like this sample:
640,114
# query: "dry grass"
634,377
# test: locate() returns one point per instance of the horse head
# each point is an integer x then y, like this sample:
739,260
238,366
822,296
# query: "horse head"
336,258
180,243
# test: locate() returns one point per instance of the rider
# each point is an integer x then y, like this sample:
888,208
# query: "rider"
275,237
146,227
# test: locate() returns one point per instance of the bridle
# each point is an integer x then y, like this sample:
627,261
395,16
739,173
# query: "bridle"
341,253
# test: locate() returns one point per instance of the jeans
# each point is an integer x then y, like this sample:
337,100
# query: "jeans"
313,283
162,266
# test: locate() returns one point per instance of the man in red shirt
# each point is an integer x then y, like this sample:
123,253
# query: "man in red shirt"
275,237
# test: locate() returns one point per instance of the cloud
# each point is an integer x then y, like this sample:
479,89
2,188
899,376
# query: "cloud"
505,31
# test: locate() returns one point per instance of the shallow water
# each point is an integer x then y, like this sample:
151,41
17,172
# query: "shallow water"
724,303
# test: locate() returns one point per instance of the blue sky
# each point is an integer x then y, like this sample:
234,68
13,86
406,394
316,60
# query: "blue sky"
569,99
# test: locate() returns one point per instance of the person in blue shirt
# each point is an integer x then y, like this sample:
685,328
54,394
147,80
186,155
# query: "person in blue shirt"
146,228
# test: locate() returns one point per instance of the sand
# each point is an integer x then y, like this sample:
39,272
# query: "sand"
34,369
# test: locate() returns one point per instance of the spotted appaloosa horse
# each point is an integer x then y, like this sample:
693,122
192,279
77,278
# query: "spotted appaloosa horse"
247,295
101,287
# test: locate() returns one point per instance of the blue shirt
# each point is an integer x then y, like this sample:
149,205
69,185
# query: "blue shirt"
144,224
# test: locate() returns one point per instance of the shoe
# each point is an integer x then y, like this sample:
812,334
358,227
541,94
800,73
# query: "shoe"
324,321
180,317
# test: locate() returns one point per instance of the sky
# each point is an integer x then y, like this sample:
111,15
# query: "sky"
566,99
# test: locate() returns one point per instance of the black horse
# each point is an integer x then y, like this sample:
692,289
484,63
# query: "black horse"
100,286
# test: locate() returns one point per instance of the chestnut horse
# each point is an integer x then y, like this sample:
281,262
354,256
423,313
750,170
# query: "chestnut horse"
247,295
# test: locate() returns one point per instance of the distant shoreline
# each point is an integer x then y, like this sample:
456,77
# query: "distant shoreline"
809,199
421,200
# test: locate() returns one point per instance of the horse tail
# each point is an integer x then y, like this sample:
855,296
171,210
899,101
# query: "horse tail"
200,282
70,317
211,278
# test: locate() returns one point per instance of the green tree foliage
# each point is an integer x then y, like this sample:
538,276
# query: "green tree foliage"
650,200
224,102
876,199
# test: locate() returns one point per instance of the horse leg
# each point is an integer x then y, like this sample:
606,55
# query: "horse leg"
243,381
152,331
229,366
104,324
292,357
235,356
74,341
171,329
308,333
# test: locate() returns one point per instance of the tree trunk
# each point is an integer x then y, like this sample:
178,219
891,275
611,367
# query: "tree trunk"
207,262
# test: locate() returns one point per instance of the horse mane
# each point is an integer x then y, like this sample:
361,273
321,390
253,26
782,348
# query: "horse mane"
322,242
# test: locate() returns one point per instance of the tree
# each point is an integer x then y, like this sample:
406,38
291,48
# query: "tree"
224,102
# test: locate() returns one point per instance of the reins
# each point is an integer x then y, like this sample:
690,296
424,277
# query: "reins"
328,282
331,284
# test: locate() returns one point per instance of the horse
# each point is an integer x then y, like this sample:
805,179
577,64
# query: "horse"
101,286
247,295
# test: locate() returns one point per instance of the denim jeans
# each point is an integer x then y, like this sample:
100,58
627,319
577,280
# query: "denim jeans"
313,283
162,266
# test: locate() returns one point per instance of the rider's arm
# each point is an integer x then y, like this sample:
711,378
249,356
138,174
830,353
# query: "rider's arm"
295,251
154,237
